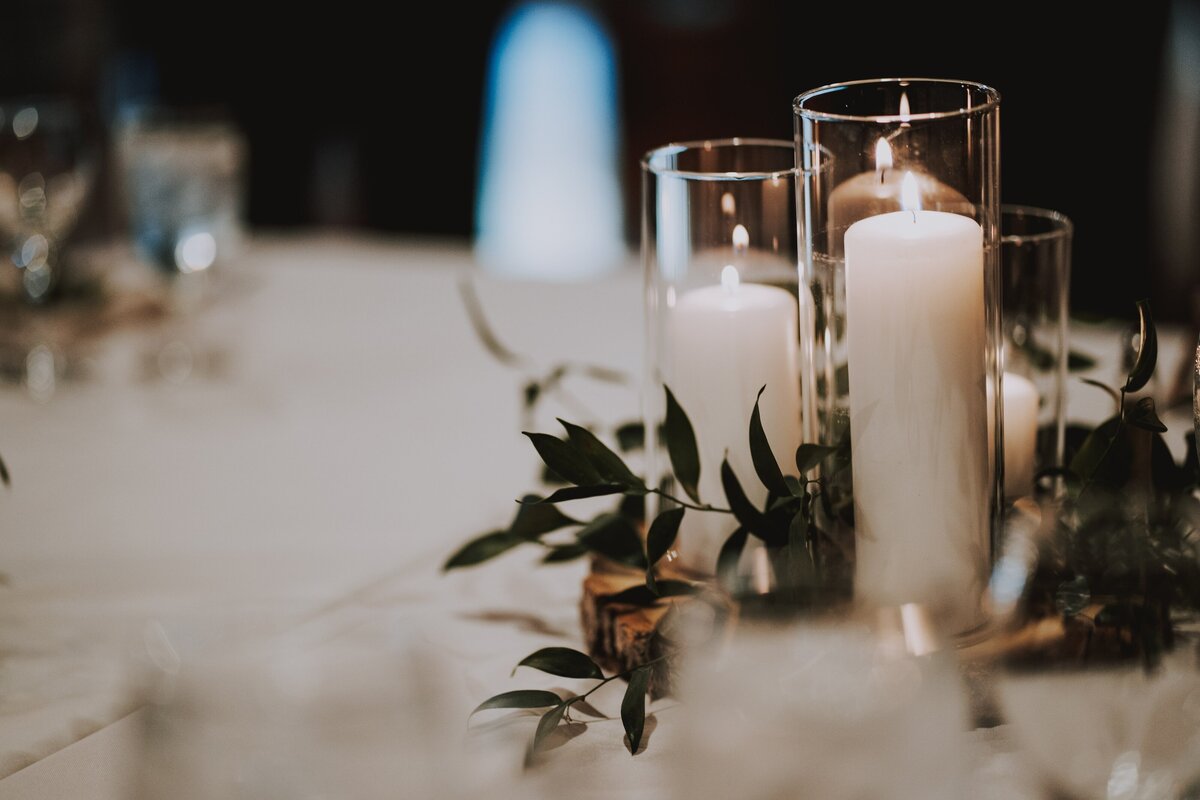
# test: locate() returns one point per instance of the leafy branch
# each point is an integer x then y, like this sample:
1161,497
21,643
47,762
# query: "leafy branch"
1124,553
567,663
786,523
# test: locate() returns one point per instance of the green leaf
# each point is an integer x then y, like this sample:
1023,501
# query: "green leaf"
633,707
532,392
562,661
747,515
614,537
631,436
1079,362
760,453
1147,357
533,519
800,563
521,698
1143,416
545,727
662,534
607,463
641,594
811,455
575,493
566,552
1104,456
482,549
1166,475
659,539
565,459
730,555
633,508
681,446
795,486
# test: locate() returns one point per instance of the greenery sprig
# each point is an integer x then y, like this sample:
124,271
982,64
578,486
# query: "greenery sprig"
1124,552
807,553
567,663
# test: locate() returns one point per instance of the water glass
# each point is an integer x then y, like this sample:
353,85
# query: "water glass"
183,176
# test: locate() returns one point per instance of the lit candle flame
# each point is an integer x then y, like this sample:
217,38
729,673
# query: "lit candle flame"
730,279
910,193
883,155
741,239
728,204
905,112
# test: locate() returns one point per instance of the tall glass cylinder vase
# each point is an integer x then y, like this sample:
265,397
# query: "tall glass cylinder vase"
900,331
719,244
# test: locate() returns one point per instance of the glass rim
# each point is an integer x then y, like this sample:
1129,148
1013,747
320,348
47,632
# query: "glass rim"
799,107
674,148
1063,227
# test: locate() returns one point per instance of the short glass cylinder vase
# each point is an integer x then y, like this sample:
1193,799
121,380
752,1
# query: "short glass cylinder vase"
900,332
720,251
1035,265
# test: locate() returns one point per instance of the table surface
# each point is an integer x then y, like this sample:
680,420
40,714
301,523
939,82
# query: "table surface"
350,433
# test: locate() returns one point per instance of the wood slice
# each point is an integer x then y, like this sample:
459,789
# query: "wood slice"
621,635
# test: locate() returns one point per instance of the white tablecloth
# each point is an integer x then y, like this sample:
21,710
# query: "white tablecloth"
356,433
331,454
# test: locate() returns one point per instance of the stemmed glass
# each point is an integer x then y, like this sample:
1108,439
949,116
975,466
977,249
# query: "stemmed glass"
46,174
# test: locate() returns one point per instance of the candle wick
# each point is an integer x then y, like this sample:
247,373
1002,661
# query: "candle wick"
882,174
914,213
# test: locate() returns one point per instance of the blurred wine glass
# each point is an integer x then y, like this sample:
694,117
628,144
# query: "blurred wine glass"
46,173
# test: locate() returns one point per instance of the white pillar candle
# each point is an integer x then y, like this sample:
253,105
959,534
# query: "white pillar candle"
726,342
1020,434
918,410
872,193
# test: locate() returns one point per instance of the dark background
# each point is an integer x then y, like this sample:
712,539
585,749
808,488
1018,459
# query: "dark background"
371,118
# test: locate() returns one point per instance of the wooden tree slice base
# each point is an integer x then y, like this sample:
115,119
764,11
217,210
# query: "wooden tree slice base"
621,636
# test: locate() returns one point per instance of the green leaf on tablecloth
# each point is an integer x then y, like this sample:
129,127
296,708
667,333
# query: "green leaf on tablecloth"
574,493
564,552
565,459
809,456
760,452
482,549
641,595
545,727
607,464
614,537
534,519
1147,356
633,707
521,698
562,661
1143,416
1079,362
730,555
681,447
747,515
